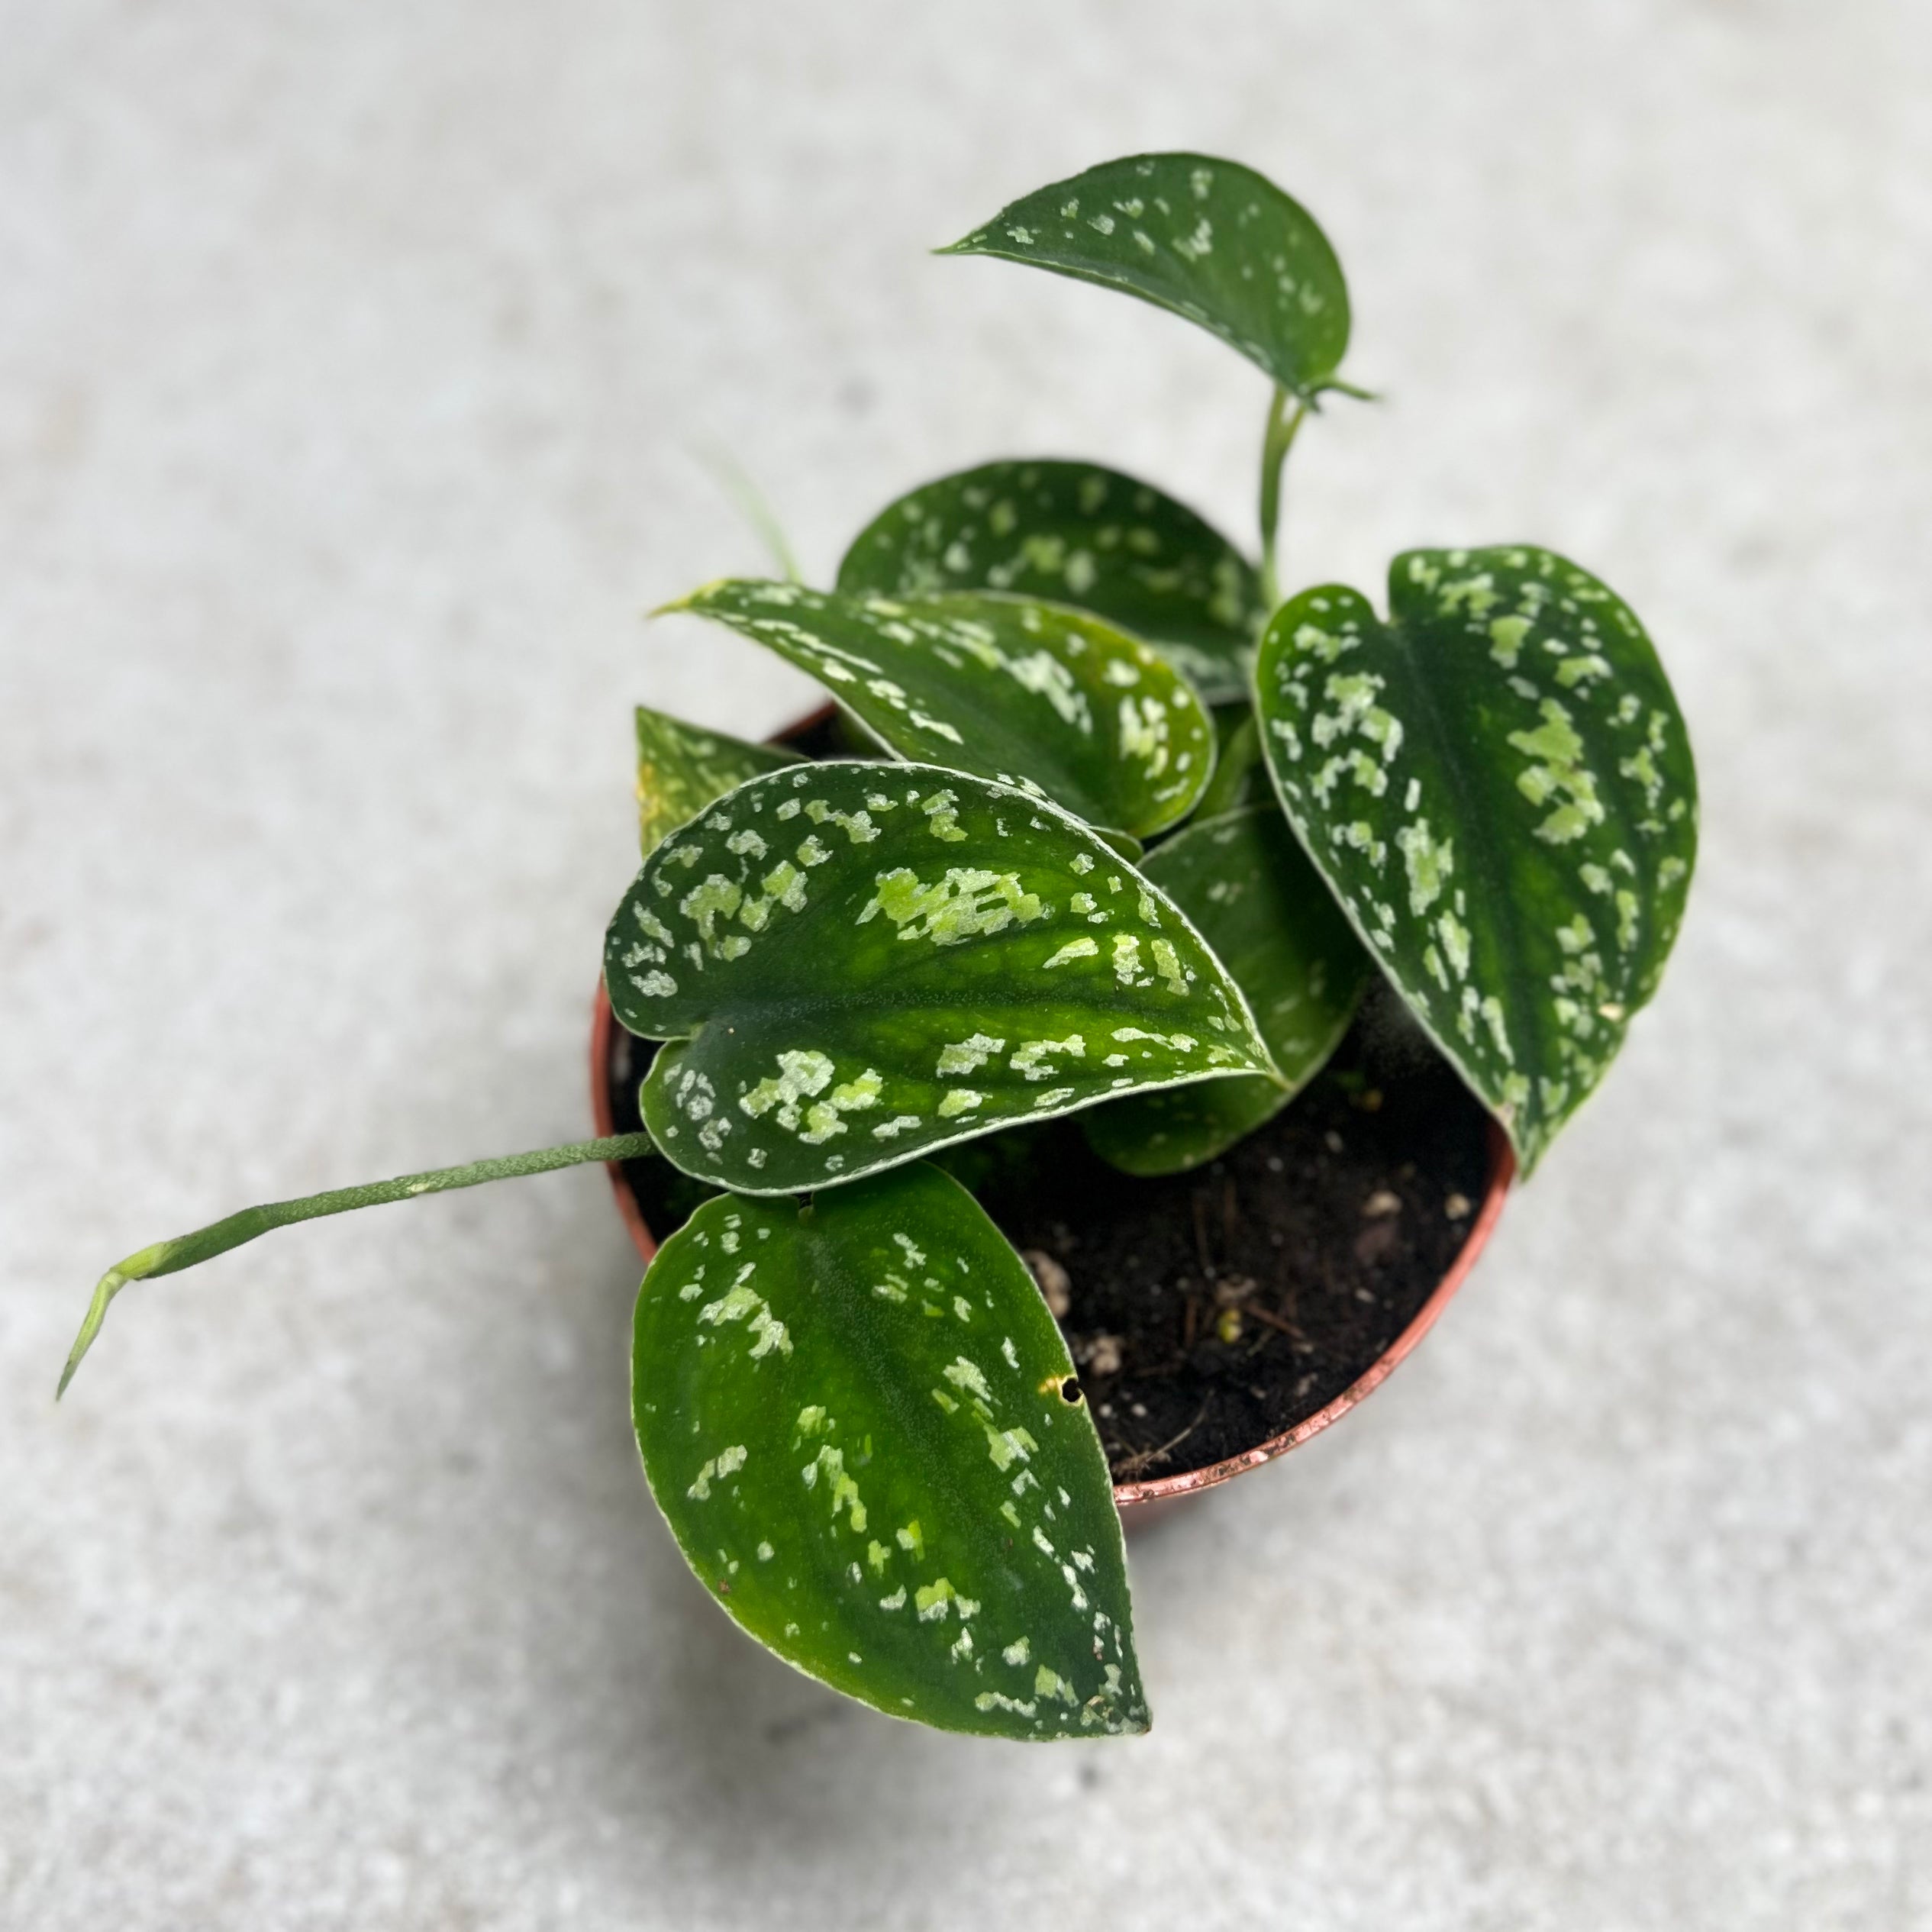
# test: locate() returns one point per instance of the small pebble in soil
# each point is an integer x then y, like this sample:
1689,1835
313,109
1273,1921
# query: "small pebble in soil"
1102,1356
1055,1285
1384,1200
1333,1141
1456,1207
1376,1243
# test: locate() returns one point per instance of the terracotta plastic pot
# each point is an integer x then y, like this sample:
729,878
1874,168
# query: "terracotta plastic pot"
1144,1499
1140,1498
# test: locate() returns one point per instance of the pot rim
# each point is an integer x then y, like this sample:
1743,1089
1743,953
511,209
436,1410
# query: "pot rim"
1128,1496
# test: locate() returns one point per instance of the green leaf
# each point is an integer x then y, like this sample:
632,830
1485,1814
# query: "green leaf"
1075,534
1006,688
856,963
851,1415
1250,889
1208,239
681,770
1498,785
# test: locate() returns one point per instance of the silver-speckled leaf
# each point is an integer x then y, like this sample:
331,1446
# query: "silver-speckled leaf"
1210,239
1075,533
855,963
1248,886
852,1417
682,769
1007,687
1498,784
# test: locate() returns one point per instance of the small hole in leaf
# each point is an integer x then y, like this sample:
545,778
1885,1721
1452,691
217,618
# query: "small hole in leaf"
1070,1390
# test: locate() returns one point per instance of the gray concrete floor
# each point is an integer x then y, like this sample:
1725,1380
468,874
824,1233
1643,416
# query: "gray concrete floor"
352,366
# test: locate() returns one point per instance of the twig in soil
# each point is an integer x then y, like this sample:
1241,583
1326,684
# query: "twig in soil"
1292,1330
1131,1466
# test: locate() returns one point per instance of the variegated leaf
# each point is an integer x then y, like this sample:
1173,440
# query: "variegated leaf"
1208,239
1498,784
1030,694
682,769
864,1429
1247,886
1075,533
855,963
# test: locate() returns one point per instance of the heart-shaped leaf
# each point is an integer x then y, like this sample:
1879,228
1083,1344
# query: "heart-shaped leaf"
1076,533
681,770
1498,785
1209,240
1247,886
1006,688
853,1416
855,963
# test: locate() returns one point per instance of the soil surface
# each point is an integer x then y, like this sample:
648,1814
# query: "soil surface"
1208,1311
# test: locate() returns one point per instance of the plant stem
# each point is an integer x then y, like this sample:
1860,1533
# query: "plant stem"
1286,414
186,1251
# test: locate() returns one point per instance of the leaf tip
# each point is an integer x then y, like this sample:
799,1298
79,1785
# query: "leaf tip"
1334,386
671,606
137,1267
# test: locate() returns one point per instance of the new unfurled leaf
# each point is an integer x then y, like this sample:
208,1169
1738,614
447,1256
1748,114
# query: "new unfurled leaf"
1075,533
1498,785
864,1429
681,770
1006,688
854,963
1210,239
1248,887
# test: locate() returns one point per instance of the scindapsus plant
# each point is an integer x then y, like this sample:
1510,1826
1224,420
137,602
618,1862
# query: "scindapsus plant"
1116,833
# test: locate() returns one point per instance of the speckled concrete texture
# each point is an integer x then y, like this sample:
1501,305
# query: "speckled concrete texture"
357,367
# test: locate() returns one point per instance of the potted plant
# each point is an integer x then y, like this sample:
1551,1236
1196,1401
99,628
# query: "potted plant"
1105,855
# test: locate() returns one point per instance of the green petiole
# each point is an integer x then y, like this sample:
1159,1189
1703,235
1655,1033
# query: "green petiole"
188,1250
1286,414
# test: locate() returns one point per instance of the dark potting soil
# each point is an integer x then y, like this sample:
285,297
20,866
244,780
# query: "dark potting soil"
1210,1311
